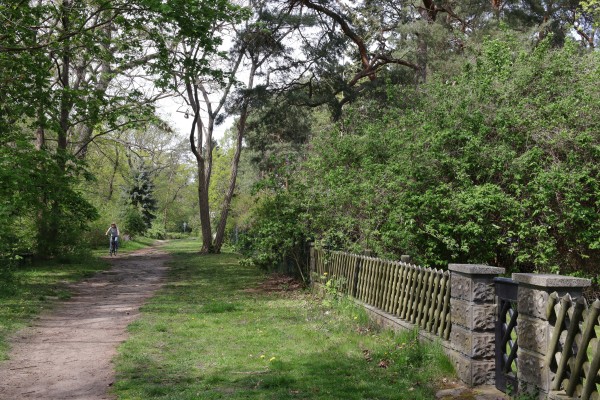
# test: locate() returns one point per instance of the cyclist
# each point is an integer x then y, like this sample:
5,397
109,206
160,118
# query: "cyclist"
114,238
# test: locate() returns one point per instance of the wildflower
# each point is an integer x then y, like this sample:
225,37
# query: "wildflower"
262,356
271,359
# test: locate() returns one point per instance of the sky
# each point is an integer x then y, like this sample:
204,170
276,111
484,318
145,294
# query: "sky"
172,110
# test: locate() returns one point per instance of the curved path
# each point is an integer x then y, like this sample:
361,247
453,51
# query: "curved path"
67,353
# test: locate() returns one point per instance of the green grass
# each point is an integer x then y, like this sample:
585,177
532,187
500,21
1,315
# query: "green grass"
211,333
35,287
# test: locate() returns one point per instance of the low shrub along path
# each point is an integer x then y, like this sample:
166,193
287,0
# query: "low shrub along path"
67,353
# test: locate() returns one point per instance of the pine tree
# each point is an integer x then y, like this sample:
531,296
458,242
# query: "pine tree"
140,194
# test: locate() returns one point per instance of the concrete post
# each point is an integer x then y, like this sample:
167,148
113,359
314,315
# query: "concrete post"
473,310
533,328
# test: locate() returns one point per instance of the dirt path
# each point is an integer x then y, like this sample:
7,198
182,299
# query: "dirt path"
67,353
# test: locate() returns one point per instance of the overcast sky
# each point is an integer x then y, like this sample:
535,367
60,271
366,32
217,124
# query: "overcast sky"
172,111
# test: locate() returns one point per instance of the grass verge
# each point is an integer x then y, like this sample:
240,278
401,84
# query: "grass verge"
217,331
35,286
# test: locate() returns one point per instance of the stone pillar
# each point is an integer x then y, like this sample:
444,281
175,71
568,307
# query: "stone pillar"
473,314
533,328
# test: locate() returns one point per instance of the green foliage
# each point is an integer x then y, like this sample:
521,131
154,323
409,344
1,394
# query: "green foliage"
8,281
41,208
133,221
59,87
499,165
140,195
157,231
275,235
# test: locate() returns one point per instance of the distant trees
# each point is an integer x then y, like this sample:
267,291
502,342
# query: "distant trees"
70,73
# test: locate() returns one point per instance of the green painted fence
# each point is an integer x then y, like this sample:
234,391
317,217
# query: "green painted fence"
415,294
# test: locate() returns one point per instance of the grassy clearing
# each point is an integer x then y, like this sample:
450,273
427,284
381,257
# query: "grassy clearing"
35,286
215,332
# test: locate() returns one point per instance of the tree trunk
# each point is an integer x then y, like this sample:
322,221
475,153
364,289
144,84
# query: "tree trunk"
49,219
111,183
65,101
104,78
220,235
207,246
196,147
241,129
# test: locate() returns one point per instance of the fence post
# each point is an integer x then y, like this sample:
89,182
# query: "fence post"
473,312
533,329
312,262
357,267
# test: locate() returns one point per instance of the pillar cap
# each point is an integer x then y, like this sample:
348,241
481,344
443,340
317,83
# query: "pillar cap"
551,280
476,269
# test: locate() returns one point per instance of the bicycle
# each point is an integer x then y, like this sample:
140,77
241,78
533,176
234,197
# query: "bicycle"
114,245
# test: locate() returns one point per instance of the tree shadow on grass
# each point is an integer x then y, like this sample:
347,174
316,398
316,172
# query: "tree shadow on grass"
318,375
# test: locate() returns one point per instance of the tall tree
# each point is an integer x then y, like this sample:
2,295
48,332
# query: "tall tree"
78,61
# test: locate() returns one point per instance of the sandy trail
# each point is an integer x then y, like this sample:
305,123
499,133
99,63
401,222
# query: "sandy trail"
67,353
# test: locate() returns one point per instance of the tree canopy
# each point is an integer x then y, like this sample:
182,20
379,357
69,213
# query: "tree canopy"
451,131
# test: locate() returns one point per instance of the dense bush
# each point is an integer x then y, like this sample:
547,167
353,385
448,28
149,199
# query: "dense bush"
500,165
133,222
41,208
277,236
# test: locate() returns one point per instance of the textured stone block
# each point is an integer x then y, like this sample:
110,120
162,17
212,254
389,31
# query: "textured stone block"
460,286
552,281
483,317
532,370
461,339
483,346
476,317
477,346
474,373
532,302
462,366
533,334
474,288
461,312
483,373
483,291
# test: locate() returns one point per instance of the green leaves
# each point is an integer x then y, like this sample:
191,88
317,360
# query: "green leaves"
501,166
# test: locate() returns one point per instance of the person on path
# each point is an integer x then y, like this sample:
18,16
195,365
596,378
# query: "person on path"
114,236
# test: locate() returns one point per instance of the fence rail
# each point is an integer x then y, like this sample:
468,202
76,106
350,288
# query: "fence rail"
542,340
415,294
574,353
